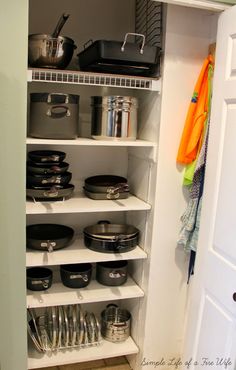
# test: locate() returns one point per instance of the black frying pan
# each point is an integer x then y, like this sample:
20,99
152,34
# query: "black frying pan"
44,156
50,192
44,179
48,237
102,184
44,168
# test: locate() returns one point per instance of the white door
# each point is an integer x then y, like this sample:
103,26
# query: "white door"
210,341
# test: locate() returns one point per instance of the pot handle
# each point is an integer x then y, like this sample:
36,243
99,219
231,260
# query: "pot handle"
51,193
121,187
63,111
45,284
103,222
55,169
49,99
52,180
50,245
50,158
116,274
88,43
133,34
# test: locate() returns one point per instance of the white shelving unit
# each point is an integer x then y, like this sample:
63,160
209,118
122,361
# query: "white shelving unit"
93,79
90,142
58,294
104,350
201,4
135,160
78,253
79,203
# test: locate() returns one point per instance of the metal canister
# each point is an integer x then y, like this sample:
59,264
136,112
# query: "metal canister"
115,323
114,117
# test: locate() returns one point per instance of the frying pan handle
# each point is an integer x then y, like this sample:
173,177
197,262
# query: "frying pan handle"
51,158
113,191
51,193
58,111
55,169
133,34
50,245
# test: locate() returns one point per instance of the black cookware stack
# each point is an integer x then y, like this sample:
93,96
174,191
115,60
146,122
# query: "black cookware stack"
47,175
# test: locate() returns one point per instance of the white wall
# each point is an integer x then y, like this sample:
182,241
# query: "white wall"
13,84
187,37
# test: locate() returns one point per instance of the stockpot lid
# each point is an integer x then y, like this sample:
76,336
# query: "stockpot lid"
54,98
111,100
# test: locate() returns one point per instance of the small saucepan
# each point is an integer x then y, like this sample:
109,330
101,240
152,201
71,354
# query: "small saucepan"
112,273
38,278
48,237
76,275
45,156
51,51
47,168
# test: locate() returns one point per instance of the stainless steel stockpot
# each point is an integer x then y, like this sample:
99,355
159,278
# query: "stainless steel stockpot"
114,117
115,323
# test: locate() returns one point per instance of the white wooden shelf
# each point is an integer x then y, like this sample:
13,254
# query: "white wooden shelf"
90,142
79,203
78,253
58,294
106,349
201,4
93,79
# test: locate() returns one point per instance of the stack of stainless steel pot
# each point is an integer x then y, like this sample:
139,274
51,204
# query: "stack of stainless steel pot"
114,117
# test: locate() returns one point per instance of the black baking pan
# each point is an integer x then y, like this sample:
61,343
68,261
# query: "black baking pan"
50,192
46,168
48,237
44,156
45,179
76,275
104,183
39,278
111,238
109,195
112,273
119,57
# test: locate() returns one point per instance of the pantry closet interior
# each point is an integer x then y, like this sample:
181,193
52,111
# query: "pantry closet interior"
156,294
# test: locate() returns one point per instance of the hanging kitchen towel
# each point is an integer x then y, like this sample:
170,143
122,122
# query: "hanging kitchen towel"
197,115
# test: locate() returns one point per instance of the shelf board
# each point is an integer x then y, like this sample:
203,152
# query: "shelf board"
201,4
79,203
91,142
58,294
93,79
106,349
78,253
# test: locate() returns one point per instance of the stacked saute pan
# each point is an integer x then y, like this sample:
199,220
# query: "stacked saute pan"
106,187
47,175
